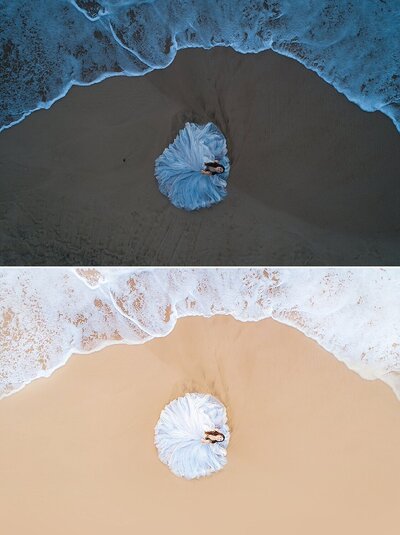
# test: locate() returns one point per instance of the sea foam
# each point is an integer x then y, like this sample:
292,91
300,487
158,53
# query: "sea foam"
48,46
48,314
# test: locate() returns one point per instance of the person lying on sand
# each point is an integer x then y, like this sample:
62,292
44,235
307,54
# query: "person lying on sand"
211,437
198,150
213,168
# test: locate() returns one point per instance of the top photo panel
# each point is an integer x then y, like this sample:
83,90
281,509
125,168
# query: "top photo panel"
199,132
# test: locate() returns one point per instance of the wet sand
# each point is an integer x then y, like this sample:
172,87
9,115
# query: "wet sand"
314,181
314,447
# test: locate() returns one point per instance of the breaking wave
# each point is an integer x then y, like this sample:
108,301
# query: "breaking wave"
47,314
46,47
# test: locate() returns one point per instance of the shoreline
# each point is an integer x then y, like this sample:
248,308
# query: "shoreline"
106,76
391,379
86,44
314,428
141,305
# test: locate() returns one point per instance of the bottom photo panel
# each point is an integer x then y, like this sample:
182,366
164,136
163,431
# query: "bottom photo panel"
204,400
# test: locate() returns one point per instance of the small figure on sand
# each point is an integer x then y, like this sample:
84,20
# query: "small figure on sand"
211,437
213,168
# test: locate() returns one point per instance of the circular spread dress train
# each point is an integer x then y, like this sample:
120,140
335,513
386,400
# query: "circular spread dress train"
179,431
178,169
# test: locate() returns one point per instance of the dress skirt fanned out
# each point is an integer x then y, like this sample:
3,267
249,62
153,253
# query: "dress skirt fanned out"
179,431
178,169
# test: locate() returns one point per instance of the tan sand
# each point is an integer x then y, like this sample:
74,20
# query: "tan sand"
314,450
314,180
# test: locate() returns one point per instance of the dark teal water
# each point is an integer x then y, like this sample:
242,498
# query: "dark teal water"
46,46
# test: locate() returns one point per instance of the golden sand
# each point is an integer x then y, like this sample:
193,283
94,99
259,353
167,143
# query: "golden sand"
315,449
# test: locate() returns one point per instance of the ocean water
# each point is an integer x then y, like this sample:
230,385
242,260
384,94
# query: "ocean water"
47,314
46,46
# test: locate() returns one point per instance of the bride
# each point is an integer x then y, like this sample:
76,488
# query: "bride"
211,437
192,435
192,172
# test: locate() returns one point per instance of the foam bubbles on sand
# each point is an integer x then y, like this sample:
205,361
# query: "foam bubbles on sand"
47,314
46,47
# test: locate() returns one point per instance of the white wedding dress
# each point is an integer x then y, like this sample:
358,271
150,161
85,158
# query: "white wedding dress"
180,429
178,169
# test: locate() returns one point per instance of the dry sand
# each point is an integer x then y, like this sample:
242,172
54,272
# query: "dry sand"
315,180
314,449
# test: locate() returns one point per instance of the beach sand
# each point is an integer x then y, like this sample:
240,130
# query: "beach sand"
314,180
314,448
